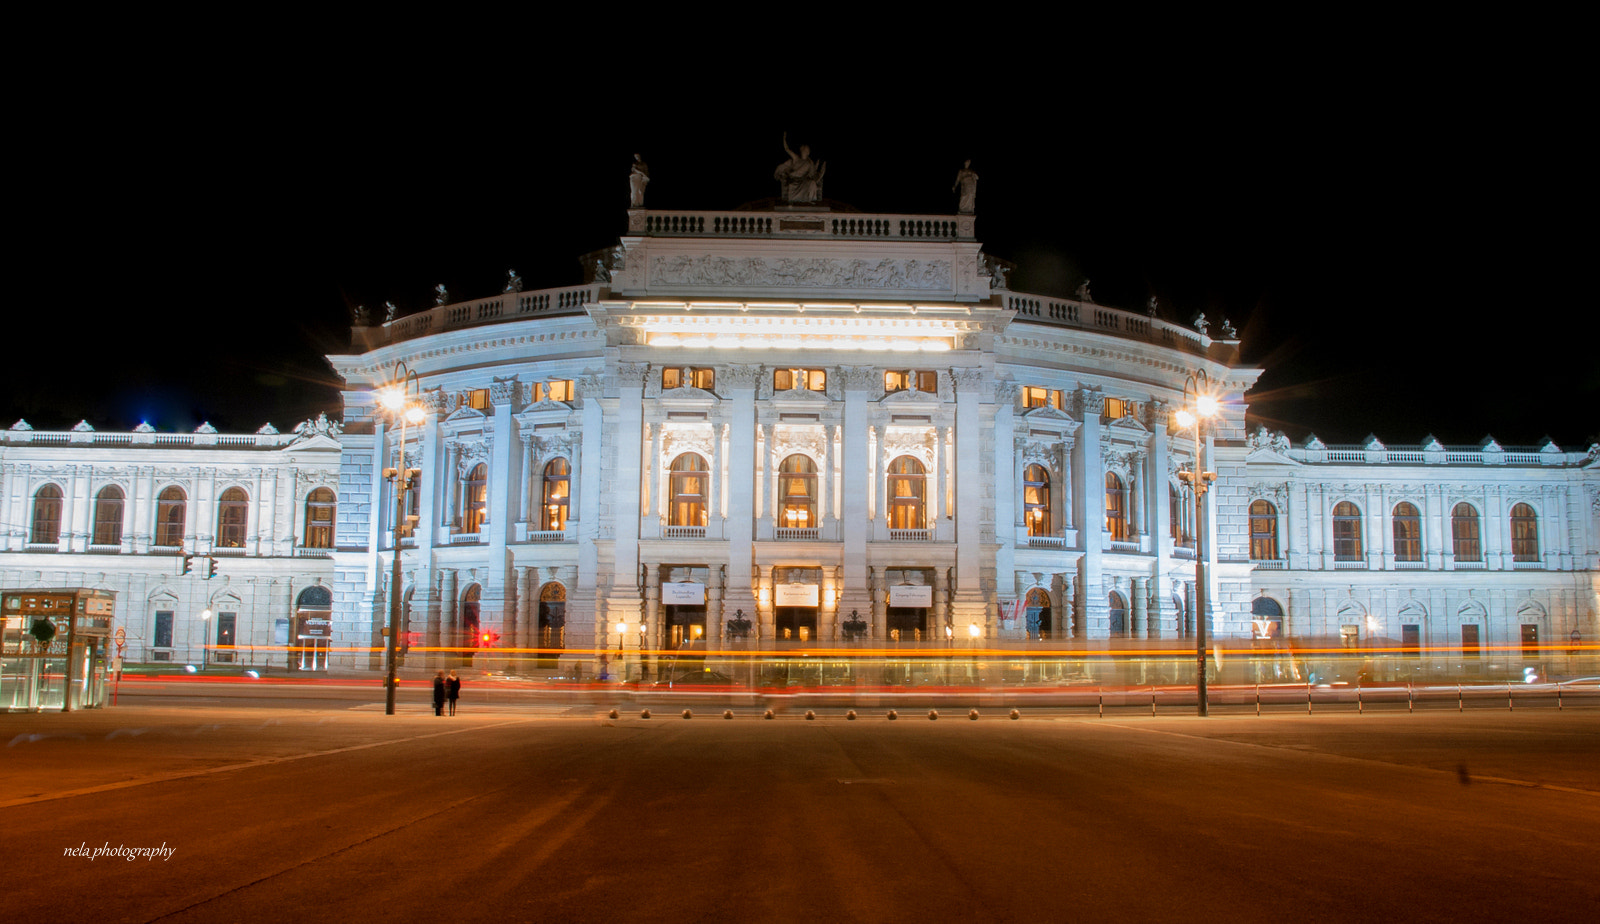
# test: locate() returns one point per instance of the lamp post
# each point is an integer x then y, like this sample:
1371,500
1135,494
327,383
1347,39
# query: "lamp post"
1197,392
396,397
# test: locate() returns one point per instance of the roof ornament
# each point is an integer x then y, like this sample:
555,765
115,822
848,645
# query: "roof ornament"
1082,294
389,312
967,183
441,295
638,179
322,426
799,178
360,316
1201,324
513,281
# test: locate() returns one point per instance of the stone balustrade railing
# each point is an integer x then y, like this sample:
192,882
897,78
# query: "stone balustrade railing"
1547,455
147,438
507,306
1064,312
800,223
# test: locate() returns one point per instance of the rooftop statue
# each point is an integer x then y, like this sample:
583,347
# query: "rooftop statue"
638,179
441,295
1083,293
361,316
513,281
967,182
800,177
390,311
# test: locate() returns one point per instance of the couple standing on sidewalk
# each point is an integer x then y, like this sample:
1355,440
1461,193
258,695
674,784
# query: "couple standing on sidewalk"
445,688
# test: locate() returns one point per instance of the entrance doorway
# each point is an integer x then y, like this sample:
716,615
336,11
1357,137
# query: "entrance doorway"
905,623
686,626
795,623
552,623
1037,613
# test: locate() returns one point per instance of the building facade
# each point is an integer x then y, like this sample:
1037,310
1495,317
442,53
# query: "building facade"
801,427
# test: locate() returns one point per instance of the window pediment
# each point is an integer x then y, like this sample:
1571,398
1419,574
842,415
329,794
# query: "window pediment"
910,397
465,412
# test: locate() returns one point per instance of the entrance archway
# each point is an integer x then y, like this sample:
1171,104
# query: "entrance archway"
1037,611
552,622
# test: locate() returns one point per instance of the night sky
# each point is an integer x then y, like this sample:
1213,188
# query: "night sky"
1393,256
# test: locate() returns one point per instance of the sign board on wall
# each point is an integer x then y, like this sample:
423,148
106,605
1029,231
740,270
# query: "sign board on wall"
796,595
910,595
316,627
683,593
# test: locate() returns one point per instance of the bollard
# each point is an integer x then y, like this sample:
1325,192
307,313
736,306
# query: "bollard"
727,713
851,715
1410,695
933,714
1358,698
645,714
973,715
612,714
1459,704
687,714
767,714
1102,696
891,716
1152,702
1509,707
810,716
1258,699
1308,696
1015,715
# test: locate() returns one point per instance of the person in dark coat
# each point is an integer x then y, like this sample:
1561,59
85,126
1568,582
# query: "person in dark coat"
438,693
452,689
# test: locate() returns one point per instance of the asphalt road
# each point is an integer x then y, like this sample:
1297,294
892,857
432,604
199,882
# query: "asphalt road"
308,812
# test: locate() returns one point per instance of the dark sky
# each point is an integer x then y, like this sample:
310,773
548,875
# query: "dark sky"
1393,252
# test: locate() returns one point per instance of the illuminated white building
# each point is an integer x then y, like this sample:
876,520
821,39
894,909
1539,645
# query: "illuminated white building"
120,511
800,428
842,426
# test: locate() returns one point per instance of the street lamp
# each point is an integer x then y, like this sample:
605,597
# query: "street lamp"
397,399
1198,394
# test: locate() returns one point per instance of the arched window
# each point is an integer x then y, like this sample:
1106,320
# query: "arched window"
907,485
108,516
1180,516
689,489
557,488
46,515
1263,531
1036,500
1464,534
1346,532
233,512
471,603
475,498
1265,608
797,492
320,507
1407,532
1524,533
171,508
1116,508
1119,615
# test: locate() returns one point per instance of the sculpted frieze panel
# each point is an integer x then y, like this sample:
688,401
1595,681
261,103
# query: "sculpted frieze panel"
800,272
787,440
676,440
902,441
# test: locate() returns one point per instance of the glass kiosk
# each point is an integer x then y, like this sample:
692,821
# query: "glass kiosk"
55,648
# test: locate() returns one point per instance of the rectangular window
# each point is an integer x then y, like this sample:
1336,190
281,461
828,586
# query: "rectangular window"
478,399
163,635
689,378
1041,397
1469,640
807,379
1530,640
1116,407
560,390
226,623
905,379
1410,640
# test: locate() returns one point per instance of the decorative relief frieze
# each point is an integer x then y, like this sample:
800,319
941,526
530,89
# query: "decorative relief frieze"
800,272
740,375
787,440
903,441
676,440
861,378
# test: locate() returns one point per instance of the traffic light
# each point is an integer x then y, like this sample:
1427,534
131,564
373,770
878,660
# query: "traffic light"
188,564
208,568
489,637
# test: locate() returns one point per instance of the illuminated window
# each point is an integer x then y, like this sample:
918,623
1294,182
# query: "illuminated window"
907,484
171,508
1346,532
557,488
797,492
1464,535
1041,397
475,498
907,379
1116,508
108,506
1180,515
1524,533
690,484
320,505
560,390
1407,533
233,511
1263,531
807,379
46,515
1036,500
478,399
1120,407
688,377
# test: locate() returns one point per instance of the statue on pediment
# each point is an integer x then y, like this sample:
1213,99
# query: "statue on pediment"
967,183
638,179
800,177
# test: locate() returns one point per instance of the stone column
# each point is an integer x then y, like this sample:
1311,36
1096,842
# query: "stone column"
532,493
652,605
1139,602
449,617
494,612
583,610
622,601
766,610
880,588
714,617
856,593
740,383
969,602
825,485
1093,610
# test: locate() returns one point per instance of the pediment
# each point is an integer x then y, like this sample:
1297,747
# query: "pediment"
1046,412
688,394
1127,426
1266,455
466,412
316,442
910,396
547,405
801,396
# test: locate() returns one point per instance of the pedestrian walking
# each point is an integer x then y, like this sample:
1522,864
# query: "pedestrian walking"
438,693
452,689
